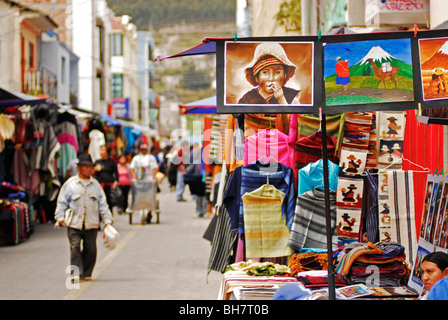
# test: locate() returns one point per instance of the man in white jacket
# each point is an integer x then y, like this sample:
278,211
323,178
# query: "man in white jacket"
82,196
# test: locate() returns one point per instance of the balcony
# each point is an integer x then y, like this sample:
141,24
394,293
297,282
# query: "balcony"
43,82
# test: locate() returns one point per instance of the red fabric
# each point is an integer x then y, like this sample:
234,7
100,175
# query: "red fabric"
422,145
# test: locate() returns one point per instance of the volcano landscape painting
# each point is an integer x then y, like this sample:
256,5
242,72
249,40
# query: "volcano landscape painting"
371,71
434,68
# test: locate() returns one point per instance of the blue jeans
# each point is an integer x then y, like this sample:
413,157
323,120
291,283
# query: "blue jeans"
201,205
180,185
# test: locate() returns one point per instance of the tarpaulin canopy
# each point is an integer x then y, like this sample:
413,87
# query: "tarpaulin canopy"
203,106
11,98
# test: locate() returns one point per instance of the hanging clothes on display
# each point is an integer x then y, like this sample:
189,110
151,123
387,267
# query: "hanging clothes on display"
249,178
266,234
308,229
66,131
271,145
312,176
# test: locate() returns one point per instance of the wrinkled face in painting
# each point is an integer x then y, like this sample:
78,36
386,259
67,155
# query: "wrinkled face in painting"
271,78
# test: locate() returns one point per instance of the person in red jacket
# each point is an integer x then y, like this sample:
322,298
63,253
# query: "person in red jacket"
342,73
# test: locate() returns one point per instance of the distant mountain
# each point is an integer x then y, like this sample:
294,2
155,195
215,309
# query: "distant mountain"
147,14
438,60
379,56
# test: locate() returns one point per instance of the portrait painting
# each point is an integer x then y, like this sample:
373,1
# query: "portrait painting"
434,68
268,74
368,72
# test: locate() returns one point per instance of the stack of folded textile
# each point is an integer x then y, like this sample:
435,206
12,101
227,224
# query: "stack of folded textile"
382,264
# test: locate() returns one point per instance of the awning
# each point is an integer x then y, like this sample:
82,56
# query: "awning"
203,106
205,48
11,98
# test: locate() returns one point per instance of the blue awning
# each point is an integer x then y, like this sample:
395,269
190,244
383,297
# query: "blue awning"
203,106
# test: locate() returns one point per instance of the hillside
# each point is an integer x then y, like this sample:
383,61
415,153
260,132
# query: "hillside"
154,14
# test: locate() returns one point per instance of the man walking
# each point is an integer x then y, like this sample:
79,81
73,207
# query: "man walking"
81,201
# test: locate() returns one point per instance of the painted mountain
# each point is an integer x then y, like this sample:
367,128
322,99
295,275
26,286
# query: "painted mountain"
438,60
379,56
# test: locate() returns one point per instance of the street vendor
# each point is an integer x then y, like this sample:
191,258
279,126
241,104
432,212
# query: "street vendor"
143,165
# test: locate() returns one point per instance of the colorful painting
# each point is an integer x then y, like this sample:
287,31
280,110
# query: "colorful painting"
366,72
434,68
268,74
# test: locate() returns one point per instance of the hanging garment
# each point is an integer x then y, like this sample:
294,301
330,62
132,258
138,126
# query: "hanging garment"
309,226
257,122
97,139
401,221
269,145
251,177
309,149
312,176
370,208
265,231
272,145
224,238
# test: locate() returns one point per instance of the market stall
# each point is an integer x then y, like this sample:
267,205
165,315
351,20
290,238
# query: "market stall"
341,169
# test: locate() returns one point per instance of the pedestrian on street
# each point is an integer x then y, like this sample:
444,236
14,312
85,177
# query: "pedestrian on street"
194,178
107,174
143,164
83,196
124,182
182,161
144,167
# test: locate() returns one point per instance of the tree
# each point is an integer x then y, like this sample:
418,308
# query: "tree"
290,15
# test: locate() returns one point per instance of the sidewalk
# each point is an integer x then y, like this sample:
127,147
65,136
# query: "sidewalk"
165,261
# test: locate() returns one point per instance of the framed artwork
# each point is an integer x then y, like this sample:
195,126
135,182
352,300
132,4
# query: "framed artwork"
434,68
266,77
362,73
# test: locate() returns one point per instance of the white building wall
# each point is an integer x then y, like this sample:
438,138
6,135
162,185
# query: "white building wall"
10,47
86,47
83,47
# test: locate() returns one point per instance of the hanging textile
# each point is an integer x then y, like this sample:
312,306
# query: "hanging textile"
224,239
352,163
391,132
256,122
312,176
309,226
397,221
310,123
251,177
66,131
272,145
309,149
266,234
422,146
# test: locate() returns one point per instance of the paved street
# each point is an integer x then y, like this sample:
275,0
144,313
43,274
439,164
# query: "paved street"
166,261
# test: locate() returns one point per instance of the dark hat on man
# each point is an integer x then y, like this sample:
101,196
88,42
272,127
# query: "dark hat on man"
85,159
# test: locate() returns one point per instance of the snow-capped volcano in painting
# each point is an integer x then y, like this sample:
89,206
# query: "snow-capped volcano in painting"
382,72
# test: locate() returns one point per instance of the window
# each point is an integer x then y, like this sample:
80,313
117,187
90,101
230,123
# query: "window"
117,85
117,44
31,55
63,70
101,84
